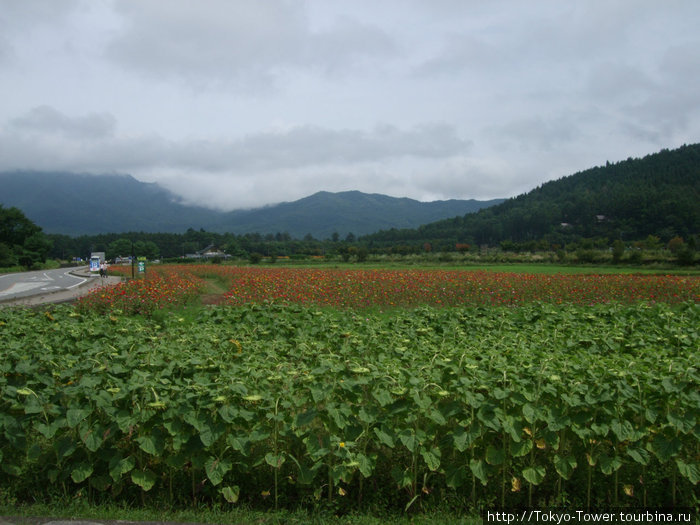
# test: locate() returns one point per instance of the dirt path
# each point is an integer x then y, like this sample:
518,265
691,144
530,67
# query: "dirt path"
213,293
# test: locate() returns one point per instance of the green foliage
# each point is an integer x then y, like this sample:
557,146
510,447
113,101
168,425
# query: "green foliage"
21,241
267,405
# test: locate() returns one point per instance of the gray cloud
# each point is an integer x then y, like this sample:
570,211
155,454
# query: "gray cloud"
237,42
260,102
34,12
44,120
89,143
537,133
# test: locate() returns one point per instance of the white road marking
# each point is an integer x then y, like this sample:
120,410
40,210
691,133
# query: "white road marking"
76,277
20,287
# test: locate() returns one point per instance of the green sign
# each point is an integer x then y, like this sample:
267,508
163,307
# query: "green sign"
142,264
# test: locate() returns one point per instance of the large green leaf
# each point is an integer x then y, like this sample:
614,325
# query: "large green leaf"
683,423
101,483
305,418
639,455
366,464
384,437
480,469
231,494
216,469
556,419
210,432
534,475
609,464
690,471
460,439
144,479
81,472
495,455
91,436
455,475
437,416
521,449
75,415
487,415
382,396
275,460
152,443
64,446
125,421
48,431
431,457
408,438
513,427
118,466
664,448
622,429
564,465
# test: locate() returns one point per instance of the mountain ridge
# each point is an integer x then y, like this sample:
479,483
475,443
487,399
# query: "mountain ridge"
87,204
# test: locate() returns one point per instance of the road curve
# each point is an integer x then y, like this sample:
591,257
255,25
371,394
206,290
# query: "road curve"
49,286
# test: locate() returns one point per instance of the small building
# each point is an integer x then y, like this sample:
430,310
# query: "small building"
210,252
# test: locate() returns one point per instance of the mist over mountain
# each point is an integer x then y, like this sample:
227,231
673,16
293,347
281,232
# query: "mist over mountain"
77,204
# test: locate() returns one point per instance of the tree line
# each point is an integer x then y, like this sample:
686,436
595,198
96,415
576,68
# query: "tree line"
625,202
633,204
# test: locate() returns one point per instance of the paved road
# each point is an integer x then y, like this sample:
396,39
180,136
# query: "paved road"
47,286
17,285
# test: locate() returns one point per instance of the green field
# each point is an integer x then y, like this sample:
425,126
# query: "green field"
343,411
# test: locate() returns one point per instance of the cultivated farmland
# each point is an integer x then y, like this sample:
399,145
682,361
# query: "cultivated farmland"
356,390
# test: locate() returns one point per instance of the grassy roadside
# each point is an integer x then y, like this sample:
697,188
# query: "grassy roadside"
80,510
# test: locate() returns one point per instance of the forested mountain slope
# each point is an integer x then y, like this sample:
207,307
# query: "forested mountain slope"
655,195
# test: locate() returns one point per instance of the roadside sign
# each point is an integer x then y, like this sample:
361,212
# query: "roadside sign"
142,264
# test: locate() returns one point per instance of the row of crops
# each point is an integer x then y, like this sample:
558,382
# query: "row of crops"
286,405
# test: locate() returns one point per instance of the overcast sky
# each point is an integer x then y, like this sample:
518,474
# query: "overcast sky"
240,103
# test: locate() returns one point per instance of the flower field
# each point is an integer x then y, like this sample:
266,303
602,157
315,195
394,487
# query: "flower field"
174,284
581,391
409,288
164,288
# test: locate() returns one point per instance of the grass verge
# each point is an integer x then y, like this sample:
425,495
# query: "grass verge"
81,510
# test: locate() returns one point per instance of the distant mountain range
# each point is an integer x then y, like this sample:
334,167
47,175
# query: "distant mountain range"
76,204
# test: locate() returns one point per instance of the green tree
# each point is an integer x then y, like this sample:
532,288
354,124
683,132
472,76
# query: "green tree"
618,251
38,244
119,248
7,256
23,240
362,254
15,227
147,249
